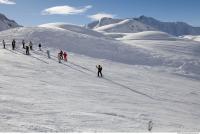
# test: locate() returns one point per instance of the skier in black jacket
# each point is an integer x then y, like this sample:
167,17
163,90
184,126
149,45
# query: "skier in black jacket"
4,44
27,50
23,44
13,44
40,46
99,67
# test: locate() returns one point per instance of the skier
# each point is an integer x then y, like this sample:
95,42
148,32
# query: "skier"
23,43
13,44
27,50
48,54
61,54
31,45
99,67
65,56
4,44
40,46
59,58
150,126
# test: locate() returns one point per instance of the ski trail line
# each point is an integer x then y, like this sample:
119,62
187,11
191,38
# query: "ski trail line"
11,51
32,56
108,80
126,87
55,60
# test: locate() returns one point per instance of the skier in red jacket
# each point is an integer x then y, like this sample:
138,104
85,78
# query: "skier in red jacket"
65,56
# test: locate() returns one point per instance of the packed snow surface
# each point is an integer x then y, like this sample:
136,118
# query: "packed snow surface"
159,81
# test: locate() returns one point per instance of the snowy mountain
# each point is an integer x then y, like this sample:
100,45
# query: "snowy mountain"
125,26
149,75
173,28
143,23
110,25
102,22
6,23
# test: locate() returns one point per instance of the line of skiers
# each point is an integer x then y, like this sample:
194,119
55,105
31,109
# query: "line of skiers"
61,55
30,47
24,46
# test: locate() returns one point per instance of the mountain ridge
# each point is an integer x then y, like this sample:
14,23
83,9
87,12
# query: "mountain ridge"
173,28
6,23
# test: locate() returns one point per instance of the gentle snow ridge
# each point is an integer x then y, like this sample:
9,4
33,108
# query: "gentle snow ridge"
73,28
149,35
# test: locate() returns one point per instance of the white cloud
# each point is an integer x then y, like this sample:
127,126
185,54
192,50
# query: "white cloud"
101,15
65,10
7,2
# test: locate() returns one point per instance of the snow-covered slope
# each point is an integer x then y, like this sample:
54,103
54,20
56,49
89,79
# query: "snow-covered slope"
159,82
148,35
186,52
102,22
38,94
182,55
82,44
74,28
125,26
5,23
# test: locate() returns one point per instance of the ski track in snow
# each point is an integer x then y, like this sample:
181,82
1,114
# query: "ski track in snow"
89,117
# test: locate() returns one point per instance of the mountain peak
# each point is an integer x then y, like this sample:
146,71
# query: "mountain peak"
6,23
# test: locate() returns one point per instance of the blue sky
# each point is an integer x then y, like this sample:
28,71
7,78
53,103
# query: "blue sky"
35,12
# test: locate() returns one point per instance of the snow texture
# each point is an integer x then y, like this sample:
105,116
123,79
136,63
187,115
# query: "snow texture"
144,79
